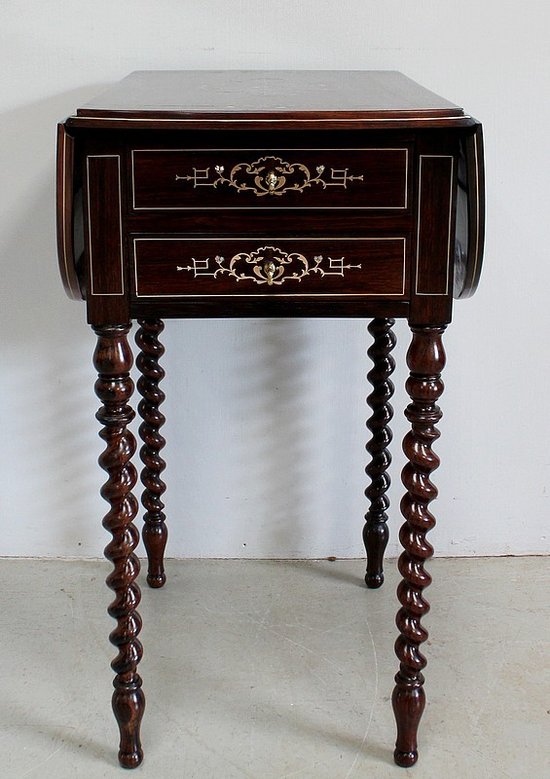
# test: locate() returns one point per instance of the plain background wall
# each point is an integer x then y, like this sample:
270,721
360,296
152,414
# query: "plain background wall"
266,418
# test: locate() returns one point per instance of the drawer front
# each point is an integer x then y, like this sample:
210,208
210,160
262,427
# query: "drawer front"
178,179
290,267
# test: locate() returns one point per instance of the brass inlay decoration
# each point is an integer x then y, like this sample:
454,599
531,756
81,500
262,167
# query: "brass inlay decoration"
268,265
270,176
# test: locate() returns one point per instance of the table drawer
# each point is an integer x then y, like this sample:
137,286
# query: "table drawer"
292,267
370,178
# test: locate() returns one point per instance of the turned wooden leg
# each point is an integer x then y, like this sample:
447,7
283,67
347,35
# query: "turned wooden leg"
375,531
113,360
426,360
155,533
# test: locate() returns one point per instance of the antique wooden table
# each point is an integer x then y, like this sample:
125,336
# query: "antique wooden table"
252,194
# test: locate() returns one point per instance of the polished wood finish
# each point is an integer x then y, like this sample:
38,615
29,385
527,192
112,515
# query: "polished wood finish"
268,306
105,272
180,179
103,177
155,534
435,196
374,267
68,183
375,531
113,360
319,99
421,302
470,214
426,360
268,194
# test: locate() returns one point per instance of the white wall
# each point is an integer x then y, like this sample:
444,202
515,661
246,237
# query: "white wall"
266,418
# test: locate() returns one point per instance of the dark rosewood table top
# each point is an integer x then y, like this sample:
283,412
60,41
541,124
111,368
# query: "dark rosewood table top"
271,95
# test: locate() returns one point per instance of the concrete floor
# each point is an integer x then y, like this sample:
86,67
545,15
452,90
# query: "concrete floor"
276,669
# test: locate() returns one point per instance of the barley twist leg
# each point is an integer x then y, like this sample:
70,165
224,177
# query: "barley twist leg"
426,360
375,531
155,533
113,360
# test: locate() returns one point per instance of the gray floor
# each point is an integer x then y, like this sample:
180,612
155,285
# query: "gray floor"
276,669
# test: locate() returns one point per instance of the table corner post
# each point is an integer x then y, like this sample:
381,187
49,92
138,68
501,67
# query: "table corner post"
154,533
426,360
113,361
375,530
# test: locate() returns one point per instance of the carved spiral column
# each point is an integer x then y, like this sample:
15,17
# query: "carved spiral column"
113,360
155,533
375,531
426,360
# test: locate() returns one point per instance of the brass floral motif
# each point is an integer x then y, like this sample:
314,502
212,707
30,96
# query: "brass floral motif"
268,265
270,176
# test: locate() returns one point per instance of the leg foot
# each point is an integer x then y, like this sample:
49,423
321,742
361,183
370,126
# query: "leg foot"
375,531
408,701
128,707
113,360
405,759
155,533
426,360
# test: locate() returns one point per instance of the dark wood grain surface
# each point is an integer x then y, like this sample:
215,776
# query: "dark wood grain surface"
375,531
114,387
67,184
155,533
366,178
426,360
272,91
288,267
276,95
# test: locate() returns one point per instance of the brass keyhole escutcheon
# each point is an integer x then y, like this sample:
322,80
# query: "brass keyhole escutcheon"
269,269
272,180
